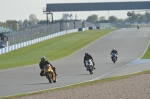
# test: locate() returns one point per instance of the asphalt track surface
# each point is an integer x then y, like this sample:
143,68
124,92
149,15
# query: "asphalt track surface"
131,43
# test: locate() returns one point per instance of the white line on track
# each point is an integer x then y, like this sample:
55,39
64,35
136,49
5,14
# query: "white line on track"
122,66
65,57
91,43
97,77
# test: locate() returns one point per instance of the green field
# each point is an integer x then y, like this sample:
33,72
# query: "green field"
147,53
53,49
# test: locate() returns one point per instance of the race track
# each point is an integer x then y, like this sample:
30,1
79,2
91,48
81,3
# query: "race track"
130,43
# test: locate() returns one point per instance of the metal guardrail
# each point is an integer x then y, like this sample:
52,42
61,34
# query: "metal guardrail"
29,42
31,33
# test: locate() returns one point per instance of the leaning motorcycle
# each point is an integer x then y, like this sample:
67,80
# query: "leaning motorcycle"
49,73
89,65
114,57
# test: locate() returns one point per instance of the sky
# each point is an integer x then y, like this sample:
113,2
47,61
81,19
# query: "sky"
21,9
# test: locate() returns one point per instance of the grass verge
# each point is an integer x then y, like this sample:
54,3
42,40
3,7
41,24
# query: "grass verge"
78,85
147,53
53,49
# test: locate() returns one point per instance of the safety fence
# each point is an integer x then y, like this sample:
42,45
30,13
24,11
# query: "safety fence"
31,33
36,40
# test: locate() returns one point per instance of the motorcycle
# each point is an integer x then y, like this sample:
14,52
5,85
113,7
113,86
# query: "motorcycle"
138,27
49,73
114,57
89,65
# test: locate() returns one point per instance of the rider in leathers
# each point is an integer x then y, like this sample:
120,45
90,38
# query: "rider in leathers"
88,56
44,62
138,27
114,51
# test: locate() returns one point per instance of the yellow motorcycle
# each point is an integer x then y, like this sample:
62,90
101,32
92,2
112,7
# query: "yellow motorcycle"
49,73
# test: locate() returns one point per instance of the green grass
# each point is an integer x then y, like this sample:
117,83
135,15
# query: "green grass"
78,85
147,53
53,49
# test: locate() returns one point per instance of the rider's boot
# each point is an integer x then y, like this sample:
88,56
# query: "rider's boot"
94,67
42,73
86,68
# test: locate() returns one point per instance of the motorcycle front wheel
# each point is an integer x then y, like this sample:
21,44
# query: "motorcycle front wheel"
49,78
91,70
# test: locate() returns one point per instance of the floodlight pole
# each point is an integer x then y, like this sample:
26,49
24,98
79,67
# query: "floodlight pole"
47,13
108,14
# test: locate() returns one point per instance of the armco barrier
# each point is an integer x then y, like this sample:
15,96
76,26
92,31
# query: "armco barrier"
23,44
80,29
83,29
92,28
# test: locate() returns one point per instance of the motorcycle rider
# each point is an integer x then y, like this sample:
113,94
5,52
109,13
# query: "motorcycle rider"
114,51
138,26
88,56
44,62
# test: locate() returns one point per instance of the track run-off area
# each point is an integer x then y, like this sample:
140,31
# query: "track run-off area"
131,44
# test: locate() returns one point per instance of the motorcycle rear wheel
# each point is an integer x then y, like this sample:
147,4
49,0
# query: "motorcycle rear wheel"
91,70
114,59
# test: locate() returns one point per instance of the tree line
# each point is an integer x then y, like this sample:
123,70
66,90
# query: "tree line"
113,19
27,23
17,24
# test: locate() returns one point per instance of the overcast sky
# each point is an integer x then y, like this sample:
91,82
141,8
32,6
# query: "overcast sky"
21,9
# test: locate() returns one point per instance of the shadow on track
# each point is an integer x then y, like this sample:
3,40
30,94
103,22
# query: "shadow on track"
34,84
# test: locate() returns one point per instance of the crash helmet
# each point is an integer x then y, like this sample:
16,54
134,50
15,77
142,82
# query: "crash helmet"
43,58
86,53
